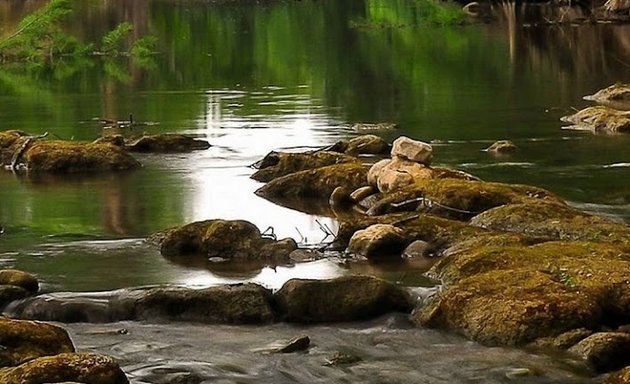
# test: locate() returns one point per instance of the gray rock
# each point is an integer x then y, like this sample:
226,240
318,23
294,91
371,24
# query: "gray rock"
418,248
299,343
361,193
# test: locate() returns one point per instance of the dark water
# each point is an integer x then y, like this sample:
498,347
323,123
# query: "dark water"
251,78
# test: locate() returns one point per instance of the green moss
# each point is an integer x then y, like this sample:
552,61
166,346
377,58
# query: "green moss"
554,221
277,164
68,156
315,183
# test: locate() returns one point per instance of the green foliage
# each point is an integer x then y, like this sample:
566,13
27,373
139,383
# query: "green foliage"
440,12
410,13
114,40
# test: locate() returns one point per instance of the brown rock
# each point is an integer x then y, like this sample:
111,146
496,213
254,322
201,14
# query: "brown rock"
277,164
375,170
619,377
366,144
378,241
229,304
400,173
76,367
165,142
347,298
19,278
502,147
24,340
606,351
600,119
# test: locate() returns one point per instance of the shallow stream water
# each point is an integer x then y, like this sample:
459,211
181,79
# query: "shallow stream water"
259,77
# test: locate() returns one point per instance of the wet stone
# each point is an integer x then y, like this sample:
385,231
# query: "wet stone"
297,344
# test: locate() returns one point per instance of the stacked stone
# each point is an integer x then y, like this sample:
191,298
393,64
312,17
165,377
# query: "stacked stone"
411,160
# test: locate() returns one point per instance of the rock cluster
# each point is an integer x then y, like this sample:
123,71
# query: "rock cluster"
34,353
20,151
612,116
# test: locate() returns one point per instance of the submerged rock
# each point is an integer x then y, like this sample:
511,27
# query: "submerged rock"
600,119
347,298
299,343
605,351
76,367
228,304
371,127
165,142
616,96
24,340
315,183
277,164
502,147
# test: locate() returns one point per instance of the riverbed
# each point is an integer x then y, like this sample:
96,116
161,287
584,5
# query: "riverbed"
290,75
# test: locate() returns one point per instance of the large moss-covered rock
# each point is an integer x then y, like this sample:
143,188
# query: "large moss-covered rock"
19,278
511,307
24,340
600,119
555,221
228,239
229,304
347,298
9,293
315,183
515,294
165,142
458,198
277,164
69,156
86,368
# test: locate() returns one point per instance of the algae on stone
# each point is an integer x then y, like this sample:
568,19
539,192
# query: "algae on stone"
277,164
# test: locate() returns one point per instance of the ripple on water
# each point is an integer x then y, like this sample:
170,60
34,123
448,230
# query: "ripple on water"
388,349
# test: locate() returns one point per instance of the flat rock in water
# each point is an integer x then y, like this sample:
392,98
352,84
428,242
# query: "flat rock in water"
366,144
600,119
167,142
347,298
277,164
299,343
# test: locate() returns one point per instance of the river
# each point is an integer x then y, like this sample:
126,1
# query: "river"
251,78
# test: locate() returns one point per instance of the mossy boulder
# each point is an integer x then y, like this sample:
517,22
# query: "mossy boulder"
24,340
228,239
510,307
277,164
89,368
347,298
165,142
600,119
516,294
553,221
69,156
605,351
457,198
228,304
19,278
316,183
